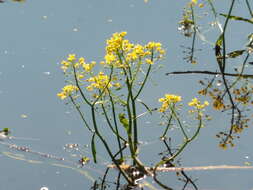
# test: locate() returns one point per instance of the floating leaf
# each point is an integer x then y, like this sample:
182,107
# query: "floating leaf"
93,148
237,18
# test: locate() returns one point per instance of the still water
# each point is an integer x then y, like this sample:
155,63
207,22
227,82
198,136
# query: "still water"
37,35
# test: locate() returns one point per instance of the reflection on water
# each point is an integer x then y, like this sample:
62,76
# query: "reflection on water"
78,161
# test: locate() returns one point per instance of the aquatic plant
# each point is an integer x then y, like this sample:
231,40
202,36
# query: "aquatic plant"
111,90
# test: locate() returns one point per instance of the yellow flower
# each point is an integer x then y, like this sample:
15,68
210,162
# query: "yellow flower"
196,103
201,5
88,67
67,91
167,100
72,57
115,42
109,58
148,61
81,61
194,2
99,81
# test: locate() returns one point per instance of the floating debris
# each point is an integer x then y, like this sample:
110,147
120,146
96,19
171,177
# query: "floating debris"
44,17
71,146
20,1
23,116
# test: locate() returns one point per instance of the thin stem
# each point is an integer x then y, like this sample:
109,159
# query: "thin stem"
79,88
146,76
110,125
179,122
80,113
194,35
167,127
250,11
107,146
223,36
187,141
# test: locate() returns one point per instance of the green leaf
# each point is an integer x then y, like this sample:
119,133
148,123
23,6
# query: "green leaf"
5,131
237,18
236,53
219,41
124,121
93,148
217,48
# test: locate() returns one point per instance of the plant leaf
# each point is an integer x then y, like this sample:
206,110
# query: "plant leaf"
236,53
237,18
93,148
124,121
217,48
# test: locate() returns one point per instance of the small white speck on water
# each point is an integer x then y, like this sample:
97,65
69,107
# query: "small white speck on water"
23,66
109,20
46,73
44,17
5,51
44,188
75,29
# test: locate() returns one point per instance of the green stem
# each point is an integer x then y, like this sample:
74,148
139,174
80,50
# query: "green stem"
248,5
107,146
179,122
187,141
80,113
146,77
167,127
79,88
110,125
223,37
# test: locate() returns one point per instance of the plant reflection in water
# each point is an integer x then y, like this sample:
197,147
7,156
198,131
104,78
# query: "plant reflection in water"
78,160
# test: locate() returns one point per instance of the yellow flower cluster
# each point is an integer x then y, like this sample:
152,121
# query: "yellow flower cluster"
120,52
195,2
114,44
67,91
167,100
73,61
196,103
99,81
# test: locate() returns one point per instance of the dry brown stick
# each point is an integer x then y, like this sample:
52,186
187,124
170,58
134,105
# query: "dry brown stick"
210,73
178,169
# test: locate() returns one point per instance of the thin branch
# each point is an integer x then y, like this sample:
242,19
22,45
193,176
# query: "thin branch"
211,73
